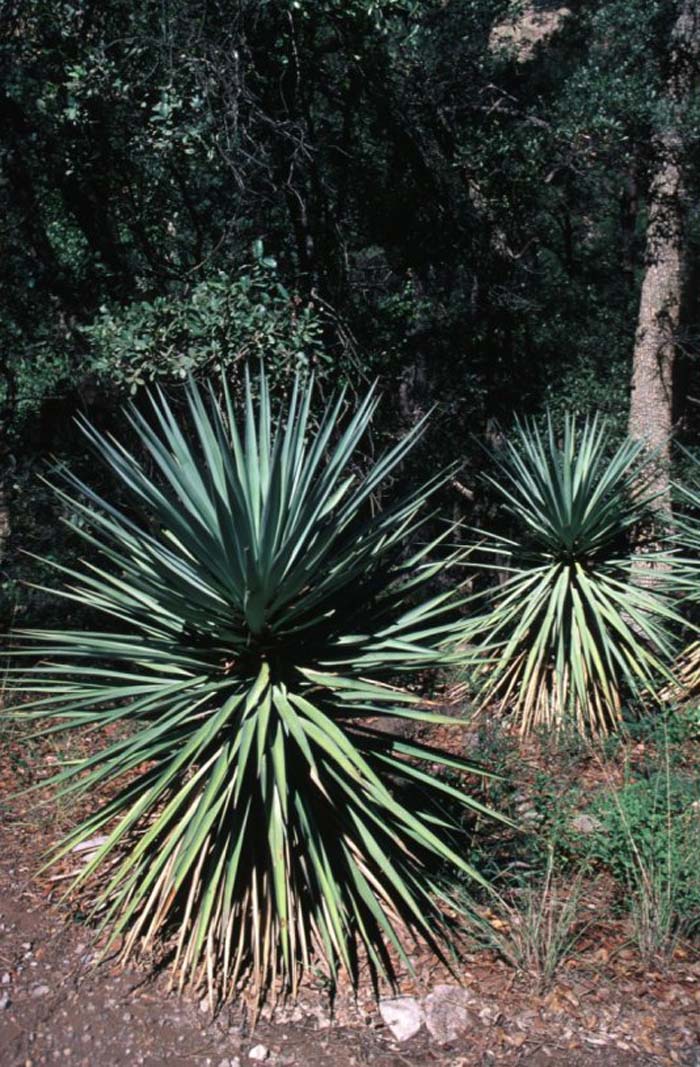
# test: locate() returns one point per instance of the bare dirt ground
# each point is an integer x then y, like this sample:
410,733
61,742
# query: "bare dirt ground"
57,1006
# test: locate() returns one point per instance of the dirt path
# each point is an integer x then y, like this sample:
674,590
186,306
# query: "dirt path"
56,1008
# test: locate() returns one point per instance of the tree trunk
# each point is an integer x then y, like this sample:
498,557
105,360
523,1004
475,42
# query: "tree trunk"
665,265
4,521
651,402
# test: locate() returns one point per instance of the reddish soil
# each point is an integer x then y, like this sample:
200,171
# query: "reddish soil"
57,1006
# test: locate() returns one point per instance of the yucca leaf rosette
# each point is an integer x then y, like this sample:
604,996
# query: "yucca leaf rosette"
586,614
685,538
261,614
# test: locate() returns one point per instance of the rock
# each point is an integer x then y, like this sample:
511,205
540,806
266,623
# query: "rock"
40,991
447,1013
232,1061
323,1019
586,824
91,844
403,1015
259,1052
5,1001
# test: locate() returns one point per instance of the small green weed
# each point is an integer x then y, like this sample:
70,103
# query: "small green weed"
649,839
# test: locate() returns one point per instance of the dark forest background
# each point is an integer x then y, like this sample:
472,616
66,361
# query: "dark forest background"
490,206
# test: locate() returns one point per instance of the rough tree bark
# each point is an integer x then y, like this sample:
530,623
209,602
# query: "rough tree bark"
4,521
656,341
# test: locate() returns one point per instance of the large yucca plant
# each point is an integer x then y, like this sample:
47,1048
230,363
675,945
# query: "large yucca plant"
261,615
580,621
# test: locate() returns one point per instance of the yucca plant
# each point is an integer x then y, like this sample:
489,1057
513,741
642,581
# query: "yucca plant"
579,623
262,612
686,539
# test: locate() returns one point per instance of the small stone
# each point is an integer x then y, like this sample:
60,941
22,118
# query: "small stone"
323,1020
403,1015
40,991
447,1013
5,1001
232,1061
91,844
259,1052
127,1016
586,824
5,980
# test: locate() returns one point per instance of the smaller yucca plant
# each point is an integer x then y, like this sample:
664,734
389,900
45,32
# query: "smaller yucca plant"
261,614
577,625
686,539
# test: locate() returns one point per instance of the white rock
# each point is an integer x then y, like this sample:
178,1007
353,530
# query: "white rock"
403,1015
91,844
258,1052
447,1013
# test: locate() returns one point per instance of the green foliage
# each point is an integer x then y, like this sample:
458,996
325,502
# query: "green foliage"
669,730
146,151
262,620
574,627
649,838
218,325
475,223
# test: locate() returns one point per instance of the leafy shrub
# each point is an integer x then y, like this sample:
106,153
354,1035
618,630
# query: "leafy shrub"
577,623
217,324
261,615
667,731
649,838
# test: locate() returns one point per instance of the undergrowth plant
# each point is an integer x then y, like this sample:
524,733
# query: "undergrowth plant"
577,624
536,926
686,537
649,839
261,618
